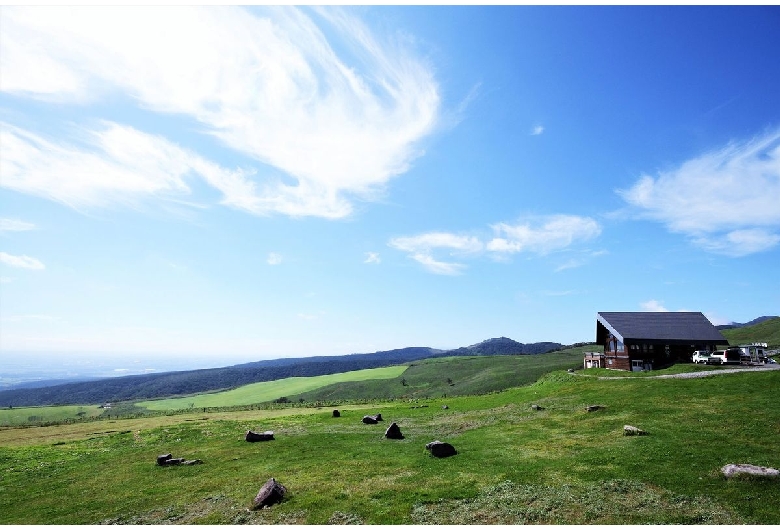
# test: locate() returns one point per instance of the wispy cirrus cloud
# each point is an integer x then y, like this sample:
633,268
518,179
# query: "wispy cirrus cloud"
653,306
542,234
15,225
22,262
724,201
421,248
340,125
372,257
537,130
274,258
538,235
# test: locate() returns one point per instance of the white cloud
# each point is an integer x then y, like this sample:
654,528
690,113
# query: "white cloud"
725,201
15,225
653,306
543,235
421,247
580,260
537,130
372,257
23,262
274,258
264,81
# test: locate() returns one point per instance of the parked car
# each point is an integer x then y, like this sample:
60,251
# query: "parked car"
701,356
728,356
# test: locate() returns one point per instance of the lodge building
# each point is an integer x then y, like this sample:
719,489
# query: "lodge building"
651,340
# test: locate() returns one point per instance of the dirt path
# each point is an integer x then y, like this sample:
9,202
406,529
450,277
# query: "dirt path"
691,375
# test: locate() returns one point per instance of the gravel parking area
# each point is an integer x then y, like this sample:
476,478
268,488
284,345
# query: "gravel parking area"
692,375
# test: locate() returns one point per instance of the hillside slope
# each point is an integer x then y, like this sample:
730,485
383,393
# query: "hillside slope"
765,331
151,386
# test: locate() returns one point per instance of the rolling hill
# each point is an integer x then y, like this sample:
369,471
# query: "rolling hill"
767,329
150,386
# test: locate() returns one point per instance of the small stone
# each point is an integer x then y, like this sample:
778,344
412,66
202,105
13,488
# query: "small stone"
369,420
594,408
444,407
394,432
536,407
252,436
731,470
271,493
630,430
336,414
440,449
163,458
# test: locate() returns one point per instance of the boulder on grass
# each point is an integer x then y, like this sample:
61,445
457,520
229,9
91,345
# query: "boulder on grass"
369,420
394,432
440,449
733,470
594,408
271,493
167,460
630,430
252,436
536,407
336,414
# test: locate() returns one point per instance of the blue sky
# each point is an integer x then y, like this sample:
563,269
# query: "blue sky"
241,183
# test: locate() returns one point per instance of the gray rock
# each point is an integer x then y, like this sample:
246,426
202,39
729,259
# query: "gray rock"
370,420
271,493
732,470
594,408
394,432
440,449
163,458
252,436
536,407
630,430
171,462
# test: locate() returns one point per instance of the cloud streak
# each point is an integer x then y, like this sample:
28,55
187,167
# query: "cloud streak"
264,82
539,235
22,262
15,225
725,201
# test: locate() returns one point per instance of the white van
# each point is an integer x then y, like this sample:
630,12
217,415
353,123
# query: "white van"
701,356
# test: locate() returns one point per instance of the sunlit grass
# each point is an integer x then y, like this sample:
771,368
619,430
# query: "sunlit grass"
514,465
270,390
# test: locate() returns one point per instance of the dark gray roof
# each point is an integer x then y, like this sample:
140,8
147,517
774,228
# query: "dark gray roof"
669,326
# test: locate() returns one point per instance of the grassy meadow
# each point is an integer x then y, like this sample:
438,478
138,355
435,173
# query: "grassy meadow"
31,415
514,465
270,390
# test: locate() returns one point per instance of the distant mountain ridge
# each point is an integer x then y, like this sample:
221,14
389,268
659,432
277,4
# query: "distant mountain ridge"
751,323
150,386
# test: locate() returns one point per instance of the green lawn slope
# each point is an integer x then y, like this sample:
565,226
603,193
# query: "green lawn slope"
453,376
270,390
767,331
515,464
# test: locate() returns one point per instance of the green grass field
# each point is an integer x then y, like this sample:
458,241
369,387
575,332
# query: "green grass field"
515,465
28,415
767,331
269,390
